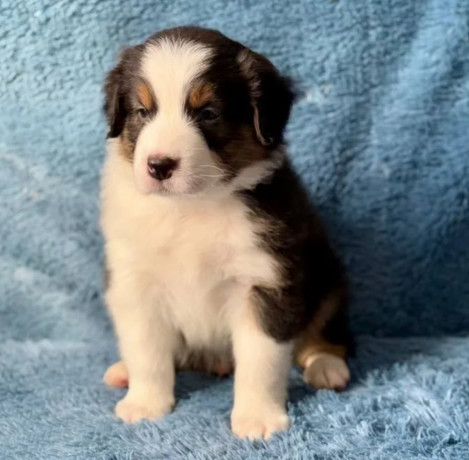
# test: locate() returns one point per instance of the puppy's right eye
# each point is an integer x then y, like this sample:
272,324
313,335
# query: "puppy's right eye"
143,113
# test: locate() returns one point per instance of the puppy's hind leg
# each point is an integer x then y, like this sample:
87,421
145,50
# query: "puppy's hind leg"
323,347
116,375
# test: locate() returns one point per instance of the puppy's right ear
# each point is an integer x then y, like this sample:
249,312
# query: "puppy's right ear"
114,104
116,86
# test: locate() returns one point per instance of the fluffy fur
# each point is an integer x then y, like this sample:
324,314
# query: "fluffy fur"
379,133
214,254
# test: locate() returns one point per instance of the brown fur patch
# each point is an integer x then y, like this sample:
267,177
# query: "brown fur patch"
201,94
311,341
145,95
126,148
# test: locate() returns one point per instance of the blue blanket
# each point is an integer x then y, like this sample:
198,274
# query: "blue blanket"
380,133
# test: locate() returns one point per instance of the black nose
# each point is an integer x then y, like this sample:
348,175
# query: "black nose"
161,168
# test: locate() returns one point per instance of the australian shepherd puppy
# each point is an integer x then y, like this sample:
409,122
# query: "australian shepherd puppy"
216,260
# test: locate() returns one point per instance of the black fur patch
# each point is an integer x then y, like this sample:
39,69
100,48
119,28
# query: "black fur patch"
119,86
291,231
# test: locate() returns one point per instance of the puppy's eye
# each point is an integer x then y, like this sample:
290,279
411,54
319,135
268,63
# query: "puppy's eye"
142,113
209,114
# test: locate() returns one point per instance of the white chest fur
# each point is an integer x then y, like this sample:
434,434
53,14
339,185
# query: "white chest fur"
194,257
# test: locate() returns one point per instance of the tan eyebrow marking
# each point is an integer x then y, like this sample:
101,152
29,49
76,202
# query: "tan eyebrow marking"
145,95
201,94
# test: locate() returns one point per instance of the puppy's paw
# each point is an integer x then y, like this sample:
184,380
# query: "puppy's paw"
327,371
116,375
259,422
131,409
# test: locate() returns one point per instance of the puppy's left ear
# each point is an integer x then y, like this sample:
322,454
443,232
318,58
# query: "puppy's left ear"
271,94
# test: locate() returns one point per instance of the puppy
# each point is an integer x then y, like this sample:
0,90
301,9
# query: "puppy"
215,257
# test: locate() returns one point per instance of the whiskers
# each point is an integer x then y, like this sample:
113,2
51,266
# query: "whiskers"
204,170
197,174
218,172
213,167
209,175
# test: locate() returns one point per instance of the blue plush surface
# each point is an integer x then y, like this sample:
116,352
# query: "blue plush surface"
381,135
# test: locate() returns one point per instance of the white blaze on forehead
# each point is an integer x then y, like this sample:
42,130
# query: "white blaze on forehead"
170,65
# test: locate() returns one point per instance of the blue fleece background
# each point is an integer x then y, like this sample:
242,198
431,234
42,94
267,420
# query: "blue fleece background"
380,134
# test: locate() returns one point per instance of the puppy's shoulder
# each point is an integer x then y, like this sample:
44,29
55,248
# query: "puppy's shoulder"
284,206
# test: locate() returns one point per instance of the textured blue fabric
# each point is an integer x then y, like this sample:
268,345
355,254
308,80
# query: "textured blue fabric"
380,133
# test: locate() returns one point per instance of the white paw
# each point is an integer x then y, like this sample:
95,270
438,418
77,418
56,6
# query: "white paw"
327,371
258,422
116,375
131,409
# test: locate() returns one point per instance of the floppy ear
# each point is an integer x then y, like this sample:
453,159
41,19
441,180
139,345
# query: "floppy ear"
271,97
115,88
114,105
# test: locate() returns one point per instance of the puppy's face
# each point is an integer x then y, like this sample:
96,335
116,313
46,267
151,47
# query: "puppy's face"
194,110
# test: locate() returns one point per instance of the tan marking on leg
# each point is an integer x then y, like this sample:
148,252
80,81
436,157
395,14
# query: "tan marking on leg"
323,362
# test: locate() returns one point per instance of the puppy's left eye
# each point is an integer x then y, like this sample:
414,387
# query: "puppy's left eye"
209,114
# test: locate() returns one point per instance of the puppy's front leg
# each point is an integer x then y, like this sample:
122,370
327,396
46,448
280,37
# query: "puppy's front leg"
261,378
146,345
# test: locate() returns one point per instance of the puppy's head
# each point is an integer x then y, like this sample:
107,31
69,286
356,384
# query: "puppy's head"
194,110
